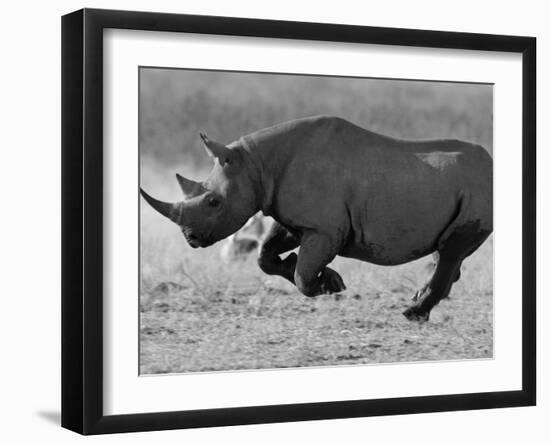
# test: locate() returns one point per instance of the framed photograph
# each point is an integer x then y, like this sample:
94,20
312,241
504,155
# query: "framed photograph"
269,221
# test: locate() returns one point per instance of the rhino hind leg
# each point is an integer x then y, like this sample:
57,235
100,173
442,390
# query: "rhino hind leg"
459,245
469,229
437,289
421,293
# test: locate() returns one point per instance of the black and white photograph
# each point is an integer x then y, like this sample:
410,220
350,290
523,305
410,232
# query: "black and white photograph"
293,221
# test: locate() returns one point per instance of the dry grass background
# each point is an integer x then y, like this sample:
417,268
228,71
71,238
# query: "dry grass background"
199,314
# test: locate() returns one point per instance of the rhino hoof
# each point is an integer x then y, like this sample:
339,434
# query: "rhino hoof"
413,314
331,282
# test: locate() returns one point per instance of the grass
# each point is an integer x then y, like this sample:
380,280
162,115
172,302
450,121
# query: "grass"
198,314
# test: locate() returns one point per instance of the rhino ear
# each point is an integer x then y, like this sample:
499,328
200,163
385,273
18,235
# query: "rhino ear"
216,150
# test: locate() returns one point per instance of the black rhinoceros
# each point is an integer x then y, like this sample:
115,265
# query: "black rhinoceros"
334,188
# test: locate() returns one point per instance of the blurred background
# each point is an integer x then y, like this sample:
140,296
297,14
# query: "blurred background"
175,104
199,313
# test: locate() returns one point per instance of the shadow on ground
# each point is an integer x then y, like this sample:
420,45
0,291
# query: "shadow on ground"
53,417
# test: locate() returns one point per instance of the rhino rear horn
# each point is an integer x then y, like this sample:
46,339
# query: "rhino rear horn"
169,210
188,187
216,149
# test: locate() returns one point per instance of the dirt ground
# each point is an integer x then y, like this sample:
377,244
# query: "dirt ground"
209,316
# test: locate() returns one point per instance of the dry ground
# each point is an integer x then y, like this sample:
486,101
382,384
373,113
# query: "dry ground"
198,314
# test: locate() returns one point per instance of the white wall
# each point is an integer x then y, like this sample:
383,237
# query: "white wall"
30,221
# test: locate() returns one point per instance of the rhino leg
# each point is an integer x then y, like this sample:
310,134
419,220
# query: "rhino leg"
456,247
470,228
312,276
278,241
421,293
437,289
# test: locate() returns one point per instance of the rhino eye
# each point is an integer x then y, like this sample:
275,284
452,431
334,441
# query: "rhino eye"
213,202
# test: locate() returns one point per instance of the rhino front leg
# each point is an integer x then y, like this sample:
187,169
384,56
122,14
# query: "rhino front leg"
312,277
278,241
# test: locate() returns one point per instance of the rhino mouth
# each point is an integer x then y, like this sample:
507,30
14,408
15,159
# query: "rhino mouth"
193,244
197,242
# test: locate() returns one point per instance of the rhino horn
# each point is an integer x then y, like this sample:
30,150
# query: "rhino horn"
216,149
188,187
169,210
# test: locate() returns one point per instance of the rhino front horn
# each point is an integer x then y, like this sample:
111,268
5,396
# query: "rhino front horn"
169,210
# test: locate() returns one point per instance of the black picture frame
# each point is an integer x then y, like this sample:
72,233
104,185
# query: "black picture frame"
82,220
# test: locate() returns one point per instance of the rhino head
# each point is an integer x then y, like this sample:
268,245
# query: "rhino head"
217,207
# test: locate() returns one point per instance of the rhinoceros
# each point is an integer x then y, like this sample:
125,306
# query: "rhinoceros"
334,188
